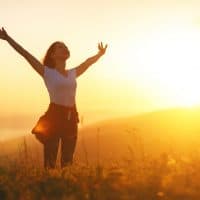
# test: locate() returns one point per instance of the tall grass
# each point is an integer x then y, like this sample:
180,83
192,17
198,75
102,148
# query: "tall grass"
143,177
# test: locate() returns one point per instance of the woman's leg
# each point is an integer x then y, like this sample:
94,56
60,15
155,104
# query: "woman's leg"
68,144
50,152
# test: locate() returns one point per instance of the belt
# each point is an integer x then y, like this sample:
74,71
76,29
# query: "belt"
61,107
64,111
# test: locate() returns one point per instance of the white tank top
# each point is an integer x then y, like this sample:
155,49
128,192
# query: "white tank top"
61,88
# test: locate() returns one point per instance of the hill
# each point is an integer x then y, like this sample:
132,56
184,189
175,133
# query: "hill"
173,130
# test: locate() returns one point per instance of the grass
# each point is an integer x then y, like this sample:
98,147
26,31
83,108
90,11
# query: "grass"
143,178
135,176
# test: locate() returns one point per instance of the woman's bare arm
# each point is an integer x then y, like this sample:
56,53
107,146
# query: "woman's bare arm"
84,66
36,64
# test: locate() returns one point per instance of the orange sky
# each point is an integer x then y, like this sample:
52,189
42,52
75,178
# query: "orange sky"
152,60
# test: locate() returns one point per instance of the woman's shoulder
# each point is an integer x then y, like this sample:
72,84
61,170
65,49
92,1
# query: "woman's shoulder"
72,72
48,71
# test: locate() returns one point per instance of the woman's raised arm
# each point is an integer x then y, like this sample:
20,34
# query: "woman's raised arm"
36,64
84,66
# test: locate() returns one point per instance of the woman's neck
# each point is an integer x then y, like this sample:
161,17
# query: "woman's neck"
60,66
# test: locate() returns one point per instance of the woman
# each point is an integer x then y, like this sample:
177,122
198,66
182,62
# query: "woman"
60,120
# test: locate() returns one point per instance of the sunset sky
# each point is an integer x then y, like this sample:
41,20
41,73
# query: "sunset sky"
152,61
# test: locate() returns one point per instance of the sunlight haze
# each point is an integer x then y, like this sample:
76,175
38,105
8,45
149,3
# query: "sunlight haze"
152,61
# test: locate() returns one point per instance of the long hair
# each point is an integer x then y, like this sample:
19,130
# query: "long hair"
48,61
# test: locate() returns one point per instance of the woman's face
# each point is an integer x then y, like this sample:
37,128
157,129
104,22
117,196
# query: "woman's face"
60,52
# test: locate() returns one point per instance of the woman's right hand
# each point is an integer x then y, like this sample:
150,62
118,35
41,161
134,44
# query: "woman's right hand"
3,34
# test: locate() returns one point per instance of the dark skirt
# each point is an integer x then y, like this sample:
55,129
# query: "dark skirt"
55,122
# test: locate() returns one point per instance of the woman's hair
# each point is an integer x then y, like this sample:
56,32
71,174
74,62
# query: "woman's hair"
48,61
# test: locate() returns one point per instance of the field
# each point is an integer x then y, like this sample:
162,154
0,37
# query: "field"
126,165
166,178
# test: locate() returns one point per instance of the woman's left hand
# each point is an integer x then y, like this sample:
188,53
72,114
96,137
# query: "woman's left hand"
102,48
3,34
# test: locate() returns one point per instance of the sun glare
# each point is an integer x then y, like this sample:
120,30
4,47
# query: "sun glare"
170,63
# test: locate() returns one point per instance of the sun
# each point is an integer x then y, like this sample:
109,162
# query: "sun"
170,62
